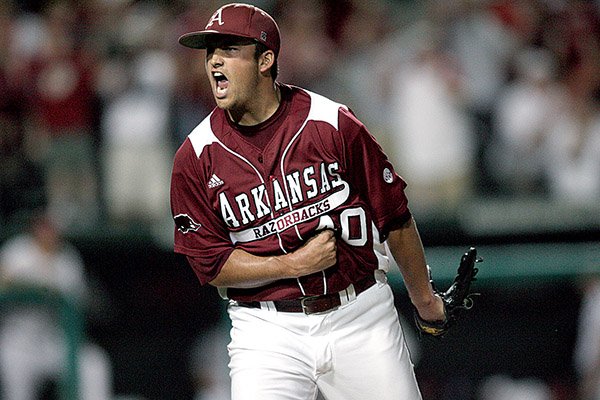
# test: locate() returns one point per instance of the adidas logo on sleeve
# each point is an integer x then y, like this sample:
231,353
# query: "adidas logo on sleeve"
214,182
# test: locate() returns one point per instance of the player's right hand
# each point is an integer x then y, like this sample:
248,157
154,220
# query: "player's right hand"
317,254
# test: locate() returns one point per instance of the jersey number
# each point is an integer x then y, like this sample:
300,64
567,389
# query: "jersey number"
354,226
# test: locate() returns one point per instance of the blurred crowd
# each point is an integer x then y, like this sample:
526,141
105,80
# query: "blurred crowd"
469,97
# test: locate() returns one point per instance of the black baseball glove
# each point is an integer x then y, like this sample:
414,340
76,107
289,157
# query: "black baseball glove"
456,298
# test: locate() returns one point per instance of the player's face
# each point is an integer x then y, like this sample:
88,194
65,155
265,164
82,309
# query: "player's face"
232,71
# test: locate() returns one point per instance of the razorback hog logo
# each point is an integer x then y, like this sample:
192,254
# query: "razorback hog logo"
186,224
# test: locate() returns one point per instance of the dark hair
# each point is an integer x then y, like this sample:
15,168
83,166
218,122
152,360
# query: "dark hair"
261,48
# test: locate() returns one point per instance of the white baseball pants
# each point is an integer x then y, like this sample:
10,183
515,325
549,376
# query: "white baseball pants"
356,352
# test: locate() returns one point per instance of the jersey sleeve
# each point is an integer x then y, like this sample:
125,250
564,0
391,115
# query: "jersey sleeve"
373,175
199,230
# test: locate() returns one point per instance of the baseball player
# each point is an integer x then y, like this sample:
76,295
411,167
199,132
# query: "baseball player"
284,201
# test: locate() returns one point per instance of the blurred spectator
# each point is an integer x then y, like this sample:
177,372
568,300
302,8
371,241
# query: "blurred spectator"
573,162
362,33
362,24
524,114
587,346
136,149
136,125
574,140
305,46
62,107
32,343
433,141
481,42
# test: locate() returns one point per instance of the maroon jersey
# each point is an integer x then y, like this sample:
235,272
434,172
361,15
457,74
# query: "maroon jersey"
320,169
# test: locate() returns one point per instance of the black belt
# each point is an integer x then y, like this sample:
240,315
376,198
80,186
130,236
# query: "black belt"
315,304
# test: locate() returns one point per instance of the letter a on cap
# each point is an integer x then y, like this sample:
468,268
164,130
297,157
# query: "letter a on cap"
216,17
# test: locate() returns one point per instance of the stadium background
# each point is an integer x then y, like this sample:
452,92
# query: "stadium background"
442,85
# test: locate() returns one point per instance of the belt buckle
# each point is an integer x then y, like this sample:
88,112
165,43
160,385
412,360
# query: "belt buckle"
307,311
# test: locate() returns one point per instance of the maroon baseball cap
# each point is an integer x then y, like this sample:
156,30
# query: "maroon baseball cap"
237,19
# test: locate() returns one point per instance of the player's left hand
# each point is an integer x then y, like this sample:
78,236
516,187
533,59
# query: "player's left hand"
434,311
456,298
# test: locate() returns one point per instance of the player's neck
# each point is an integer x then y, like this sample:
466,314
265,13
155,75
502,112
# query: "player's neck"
264,105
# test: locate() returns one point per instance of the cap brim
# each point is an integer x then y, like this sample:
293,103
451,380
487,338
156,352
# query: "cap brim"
196,40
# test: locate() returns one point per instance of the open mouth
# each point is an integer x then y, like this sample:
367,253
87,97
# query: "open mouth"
222,83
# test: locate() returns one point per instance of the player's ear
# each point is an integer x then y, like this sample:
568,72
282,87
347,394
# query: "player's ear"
266,61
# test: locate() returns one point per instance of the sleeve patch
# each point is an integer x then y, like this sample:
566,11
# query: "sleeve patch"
186,224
